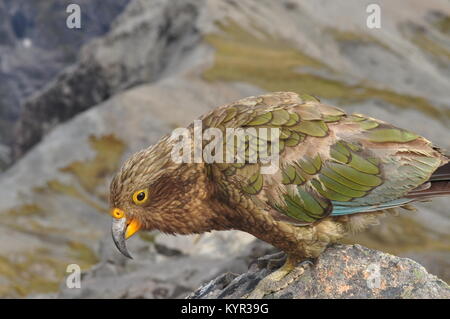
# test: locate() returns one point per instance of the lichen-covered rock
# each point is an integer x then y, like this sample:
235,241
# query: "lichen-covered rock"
342,271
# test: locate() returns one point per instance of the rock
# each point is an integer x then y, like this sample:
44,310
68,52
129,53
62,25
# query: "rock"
351,271
35,45
157,31
4,156
171,267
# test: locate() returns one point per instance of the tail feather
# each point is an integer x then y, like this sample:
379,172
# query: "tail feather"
438,188
437,185
441,174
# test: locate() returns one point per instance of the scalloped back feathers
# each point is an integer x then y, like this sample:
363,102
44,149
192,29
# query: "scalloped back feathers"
331,163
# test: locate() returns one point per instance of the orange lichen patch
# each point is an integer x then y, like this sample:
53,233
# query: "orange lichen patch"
92,173
400,267
343,288
350,272
346,259
328,289
366,274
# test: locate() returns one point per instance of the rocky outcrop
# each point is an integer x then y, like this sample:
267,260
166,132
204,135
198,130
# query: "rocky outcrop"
35,45
141,44
340,272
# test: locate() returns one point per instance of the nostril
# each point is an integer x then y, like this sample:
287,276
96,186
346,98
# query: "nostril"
117,213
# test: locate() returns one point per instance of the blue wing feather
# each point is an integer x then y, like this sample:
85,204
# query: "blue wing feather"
342,208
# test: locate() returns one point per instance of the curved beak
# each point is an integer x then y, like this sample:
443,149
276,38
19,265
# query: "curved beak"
122,230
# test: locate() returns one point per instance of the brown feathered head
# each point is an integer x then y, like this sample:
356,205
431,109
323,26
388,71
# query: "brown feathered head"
130,192
151,191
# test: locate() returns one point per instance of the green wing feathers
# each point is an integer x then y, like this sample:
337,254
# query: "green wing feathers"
327,158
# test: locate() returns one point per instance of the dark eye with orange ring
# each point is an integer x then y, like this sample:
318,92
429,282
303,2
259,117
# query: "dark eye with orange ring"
140,197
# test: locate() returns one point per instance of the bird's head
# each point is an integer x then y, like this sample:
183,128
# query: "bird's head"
139,193
152,192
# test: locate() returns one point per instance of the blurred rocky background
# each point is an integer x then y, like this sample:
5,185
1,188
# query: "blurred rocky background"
74,104
35,46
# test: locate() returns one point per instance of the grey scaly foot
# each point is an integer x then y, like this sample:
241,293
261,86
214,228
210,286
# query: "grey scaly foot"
279,279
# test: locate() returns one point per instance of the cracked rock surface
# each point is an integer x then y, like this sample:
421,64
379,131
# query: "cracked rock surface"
343,271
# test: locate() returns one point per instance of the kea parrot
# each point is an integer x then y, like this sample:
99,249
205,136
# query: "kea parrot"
336,174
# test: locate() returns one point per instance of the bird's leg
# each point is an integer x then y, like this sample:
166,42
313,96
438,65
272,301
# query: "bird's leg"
280,278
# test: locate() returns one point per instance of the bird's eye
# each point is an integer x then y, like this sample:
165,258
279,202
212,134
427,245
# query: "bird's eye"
140,197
